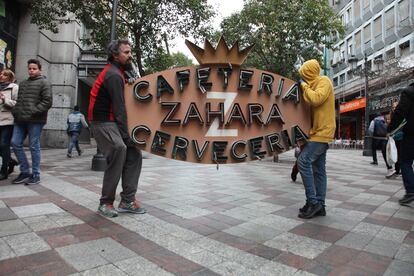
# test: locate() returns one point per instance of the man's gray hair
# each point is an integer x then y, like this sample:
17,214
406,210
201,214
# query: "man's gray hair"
113,47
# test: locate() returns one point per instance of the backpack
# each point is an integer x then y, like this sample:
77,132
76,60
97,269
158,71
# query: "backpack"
380,128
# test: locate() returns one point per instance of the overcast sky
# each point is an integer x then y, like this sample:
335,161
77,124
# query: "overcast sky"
223,9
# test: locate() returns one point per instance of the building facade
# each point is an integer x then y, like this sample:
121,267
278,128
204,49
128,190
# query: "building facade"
380,40
59,54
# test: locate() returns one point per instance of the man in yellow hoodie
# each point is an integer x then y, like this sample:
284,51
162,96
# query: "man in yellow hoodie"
319,93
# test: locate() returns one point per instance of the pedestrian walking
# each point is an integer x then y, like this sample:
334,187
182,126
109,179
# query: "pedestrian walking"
8,97
378,130
75,122
319,93
108,119
405,110
30,115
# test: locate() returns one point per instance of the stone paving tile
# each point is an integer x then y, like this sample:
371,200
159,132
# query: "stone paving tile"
15,191
26,244
370,262
7,214
5,250
140,266
355,240
104,270
299,245
36,210
382,247
398,268
405,253
392,234
12,227
318,232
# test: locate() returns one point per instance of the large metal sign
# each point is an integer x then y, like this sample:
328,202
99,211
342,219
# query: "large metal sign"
217,112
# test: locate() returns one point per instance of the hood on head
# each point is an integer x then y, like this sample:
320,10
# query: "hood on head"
310,70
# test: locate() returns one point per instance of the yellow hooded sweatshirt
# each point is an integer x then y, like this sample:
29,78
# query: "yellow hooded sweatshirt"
319,93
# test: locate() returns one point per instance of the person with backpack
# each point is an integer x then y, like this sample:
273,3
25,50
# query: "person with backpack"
378,130
75,122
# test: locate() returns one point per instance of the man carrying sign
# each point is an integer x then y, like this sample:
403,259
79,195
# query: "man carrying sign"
108,119
318,92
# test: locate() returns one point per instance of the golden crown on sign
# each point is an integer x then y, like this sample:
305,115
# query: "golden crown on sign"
220,55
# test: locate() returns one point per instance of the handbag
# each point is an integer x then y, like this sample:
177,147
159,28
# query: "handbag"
392,153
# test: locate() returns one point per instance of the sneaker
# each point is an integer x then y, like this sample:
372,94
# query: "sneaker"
390,173
69,155
374,163
131,207
305,207
107,210
33,180
80,153
21,178
312,211
407,199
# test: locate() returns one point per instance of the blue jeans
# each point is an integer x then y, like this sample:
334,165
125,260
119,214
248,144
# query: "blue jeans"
74,141
311,163
20,132
407,157
5,138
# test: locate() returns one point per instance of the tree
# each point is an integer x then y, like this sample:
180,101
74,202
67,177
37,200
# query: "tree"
145,22
163,61
281,31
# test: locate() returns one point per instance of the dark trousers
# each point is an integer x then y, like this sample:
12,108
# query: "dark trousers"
382,145
6,133
397,164
407,157
122,161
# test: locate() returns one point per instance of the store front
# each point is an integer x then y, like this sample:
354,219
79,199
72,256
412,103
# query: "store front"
350,119
9,21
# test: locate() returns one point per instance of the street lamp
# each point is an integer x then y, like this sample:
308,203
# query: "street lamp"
366,72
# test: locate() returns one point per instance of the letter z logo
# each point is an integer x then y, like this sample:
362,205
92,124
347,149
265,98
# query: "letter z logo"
214,130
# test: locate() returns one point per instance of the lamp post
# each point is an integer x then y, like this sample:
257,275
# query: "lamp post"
366,72
113,23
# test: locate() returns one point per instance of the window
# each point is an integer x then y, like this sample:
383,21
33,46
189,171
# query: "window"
405,49
342,78
378,27
365,6
404,10
342,53
389,19
348,16
390,54
350,47
357,8
358,40
367,33
335,81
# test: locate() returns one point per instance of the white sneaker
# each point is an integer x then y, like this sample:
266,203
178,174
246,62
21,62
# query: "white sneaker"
390,173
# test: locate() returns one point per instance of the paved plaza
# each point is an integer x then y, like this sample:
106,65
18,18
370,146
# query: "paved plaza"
238,220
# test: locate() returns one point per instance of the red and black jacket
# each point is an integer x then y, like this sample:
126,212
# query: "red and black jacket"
107,102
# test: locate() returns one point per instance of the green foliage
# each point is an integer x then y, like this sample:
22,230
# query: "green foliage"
281,30
147,23
162,61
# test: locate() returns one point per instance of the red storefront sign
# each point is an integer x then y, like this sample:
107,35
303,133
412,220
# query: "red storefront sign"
352,105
